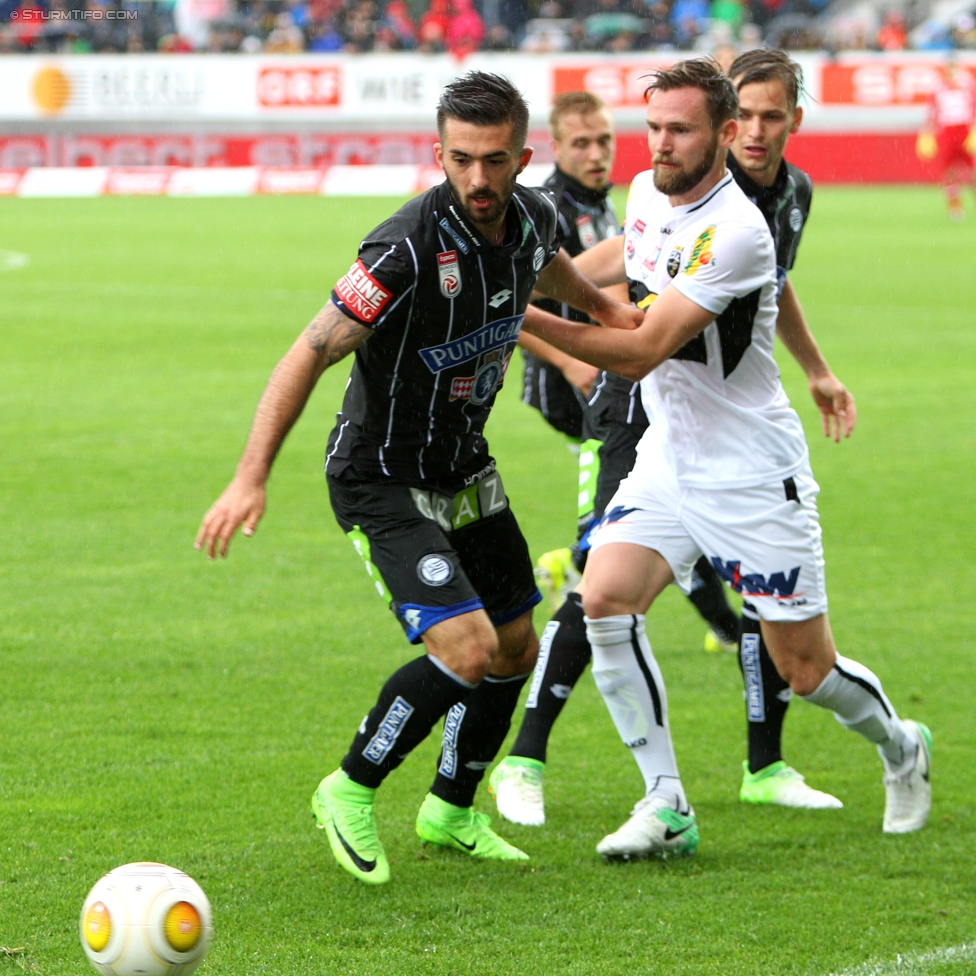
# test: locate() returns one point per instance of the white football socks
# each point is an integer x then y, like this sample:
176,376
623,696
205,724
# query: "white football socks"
631,684
854,694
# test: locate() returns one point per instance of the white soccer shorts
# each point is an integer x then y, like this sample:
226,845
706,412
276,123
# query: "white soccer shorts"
765,542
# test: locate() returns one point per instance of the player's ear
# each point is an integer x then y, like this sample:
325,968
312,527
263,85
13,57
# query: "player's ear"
439,154
524,158
727,133
797,119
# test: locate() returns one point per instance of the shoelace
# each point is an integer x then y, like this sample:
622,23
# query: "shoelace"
363,826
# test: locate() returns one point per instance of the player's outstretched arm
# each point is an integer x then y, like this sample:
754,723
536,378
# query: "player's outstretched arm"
603,263
670,322
581,375
838,411
329,337
561,280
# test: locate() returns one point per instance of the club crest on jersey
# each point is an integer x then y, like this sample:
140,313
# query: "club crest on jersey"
486,381
361,293
491,336
586,230
630,247
674,261
701,254
449,273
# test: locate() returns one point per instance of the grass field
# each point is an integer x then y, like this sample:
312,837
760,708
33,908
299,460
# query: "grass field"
157,706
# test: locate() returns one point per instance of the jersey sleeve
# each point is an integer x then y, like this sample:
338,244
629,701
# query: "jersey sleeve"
375,290
638,198
727,261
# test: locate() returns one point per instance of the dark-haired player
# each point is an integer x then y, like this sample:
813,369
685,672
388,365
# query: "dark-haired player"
769,84
723,469
432,308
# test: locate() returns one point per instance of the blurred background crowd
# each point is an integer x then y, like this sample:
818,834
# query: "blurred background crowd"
464,26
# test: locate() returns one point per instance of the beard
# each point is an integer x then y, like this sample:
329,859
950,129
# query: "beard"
492,214
682,180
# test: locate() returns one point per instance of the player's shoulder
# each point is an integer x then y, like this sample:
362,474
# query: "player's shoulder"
642,190
537,200
728,204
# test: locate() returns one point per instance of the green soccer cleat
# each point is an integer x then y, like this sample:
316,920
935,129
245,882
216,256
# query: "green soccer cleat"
556,575
781,785
653,830
516,785
446,825
344,810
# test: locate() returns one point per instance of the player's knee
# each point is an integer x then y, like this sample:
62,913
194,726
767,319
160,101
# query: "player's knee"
598,604
475,652
517,652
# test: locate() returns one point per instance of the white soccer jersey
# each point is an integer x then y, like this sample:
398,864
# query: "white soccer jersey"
717,404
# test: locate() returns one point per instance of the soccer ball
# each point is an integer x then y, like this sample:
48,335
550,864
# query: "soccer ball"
146,919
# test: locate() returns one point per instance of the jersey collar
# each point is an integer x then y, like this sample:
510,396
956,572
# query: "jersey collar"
762,196
578,193
689,208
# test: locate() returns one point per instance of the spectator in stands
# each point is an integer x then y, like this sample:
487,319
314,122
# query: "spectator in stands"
398,20
359,29
659,33
434,25
466,29
728,12
893,34
689,18
195,17
286,38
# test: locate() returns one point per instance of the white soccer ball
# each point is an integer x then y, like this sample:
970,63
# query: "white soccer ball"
146,919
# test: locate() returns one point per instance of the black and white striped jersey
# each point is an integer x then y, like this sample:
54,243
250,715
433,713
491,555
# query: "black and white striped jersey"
785,205
446,307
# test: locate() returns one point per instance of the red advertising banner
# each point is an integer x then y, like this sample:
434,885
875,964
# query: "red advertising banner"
618,84
882,83
298,87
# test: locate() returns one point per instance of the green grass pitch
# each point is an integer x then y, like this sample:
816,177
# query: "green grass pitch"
157,706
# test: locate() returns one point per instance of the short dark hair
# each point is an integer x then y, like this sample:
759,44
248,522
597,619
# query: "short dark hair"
707,76
482,98
766,64
570,103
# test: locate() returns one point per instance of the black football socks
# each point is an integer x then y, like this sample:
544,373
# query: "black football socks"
411,702
474,730
767,694
709,599
564,653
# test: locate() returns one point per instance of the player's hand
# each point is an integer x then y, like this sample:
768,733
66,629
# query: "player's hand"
241,503
620,315
838,412
581,375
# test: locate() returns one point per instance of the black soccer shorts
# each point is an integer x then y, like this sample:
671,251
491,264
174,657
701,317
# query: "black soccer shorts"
432,555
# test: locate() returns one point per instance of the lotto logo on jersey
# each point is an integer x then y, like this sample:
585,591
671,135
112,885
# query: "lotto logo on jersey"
449,273
587,232
361,293
701,254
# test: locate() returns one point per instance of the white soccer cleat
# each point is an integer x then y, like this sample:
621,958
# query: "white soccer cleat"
516,785
909,794
781,785
654,829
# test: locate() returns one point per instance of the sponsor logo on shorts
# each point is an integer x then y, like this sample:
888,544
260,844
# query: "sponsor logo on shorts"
452,728
780,585
449,274
388,732
701,254
435,570
361,293
755,703
491,336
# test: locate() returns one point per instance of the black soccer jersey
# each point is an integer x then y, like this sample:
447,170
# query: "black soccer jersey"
446,307
785,205
585,217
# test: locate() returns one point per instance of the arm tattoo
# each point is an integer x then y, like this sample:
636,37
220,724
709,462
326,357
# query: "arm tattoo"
333,335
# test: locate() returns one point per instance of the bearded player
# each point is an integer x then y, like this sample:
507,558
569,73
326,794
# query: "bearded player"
432,308
723,469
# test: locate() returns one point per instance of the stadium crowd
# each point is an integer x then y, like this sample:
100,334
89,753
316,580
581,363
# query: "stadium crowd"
456,26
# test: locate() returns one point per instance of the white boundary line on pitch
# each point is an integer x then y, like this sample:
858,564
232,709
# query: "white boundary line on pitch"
13,260
915,963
